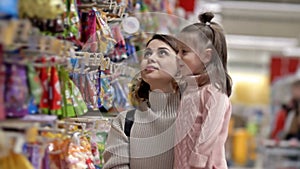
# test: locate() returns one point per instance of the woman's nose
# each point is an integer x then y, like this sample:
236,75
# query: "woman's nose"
152,58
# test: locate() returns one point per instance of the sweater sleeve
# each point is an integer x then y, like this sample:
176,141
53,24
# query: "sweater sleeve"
116,154
213,108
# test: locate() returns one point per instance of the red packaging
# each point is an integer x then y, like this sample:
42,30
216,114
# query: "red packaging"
54,89
44,104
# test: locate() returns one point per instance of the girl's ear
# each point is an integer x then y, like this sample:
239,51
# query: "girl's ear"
208,56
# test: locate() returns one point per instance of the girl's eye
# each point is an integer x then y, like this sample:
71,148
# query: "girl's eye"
147,54
184,52
163,52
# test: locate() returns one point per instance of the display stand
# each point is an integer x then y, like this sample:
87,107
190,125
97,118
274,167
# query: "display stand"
281,155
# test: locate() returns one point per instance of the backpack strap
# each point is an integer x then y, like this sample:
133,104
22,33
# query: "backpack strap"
129,120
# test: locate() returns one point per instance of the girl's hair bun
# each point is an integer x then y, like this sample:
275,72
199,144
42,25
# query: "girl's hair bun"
206,17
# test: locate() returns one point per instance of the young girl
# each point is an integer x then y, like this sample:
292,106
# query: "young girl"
203,118
151,141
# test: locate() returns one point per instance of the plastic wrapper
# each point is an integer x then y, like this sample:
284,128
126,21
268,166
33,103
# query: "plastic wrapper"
106,93
16,92
42,9
78,102
91,93
119,53
88,25
66,90
43,74
34,154
101,40
79,155
35,89
73,102
55,92
15,161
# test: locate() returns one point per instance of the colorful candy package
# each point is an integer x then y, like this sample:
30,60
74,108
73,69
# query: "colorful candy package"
35,89
16,92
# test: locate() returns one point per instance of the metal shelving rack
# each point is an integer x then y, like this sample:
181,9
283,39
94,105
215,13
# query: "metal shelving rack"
282,155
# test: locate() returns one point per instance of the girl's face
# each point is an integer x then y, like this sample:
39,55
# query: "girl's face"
159,64
190,63
193,54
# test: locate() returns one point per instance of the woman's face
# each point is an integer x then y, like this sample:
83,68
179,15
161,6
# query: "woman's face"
159,65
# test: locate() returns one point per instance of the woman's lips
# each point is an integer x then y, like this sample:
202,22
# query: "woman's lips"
151,68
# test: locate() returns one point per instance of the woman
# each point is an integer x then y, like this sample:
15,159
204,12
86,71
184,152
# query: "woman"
151,140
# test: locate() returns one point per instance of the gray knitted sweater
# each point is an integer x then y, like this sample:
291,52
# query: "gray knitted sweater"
151,143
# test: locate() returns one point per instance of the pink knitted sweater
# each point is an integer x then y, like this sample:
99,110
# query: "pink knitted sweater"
202,129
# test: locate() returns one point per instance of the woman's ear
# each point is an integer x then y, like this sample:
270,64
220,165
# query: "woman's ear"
207,56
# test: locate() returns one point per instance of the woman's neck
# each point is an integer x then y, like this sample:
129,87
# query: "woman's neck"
166,103
167,88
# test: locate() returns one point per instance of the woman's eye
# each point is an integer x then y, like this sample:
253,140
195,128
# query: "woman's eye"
163,53
147,54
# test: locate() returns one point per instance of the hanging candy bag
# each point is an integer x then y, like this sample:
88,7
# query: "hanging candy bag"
66,90
105,39
81,87
88,26
42,9
91,92
33,152
98,87
106,93
43,74
35,89
15,161
119,50
16,92
131,51
71,20
55,97
81,107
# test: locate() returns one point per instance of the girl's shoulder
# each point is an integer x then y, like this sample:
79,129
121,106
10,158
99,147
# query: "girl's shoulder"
210,89
212,93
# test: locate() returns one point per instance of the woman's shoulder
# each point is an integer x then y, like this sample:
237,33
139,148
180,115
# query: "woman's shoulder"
119,120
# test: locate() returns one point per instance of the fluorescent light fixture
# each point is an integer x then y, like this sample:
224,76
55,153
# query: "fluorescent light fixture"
263,6
291,51
260,43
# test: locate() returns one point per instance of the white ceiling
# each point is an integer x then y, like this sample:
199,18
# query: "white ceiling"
257,30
